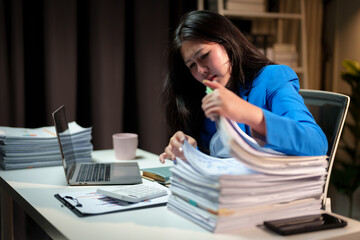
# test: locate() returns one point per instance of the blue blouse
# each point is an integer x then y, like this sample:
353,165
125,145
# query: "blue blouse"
290,127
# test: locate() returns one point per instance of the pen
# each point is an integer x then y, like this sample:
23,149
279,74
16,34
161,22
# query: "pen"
208,90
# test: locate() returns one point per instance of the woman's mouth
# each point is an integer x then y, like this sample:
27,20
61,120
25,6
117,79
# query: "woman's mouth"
211,77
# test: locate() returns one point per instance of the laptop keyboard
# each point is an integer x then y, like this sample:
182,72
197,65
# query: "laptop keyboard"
98,172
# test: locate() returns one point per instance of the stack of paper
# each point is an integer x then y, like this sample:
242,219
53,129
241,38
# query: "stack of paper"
285,54
223,195
38,147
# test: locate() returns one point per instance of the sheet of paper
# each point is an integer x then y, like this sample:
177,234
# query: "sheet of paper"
211,166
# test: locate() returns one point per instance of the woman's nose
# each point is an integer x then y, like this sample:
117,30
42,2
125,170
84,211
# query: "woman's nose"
203,70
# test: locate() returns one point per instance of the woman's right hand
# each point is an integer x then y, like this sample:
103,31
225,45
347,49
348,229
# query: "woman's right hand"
174,148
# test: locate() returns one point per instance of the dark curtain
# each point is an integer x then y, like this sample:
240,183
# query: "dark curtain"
103,59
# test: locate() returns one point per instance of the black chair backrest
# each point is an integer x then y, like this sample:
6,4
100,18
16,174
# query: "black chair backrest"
329,110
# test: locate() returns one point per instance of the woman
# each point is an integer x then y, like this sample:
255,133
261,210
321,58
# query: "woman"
262,97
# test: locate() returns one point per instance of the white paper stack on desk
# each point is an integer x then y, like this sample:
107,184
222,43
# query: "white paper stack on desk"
223,195
38,147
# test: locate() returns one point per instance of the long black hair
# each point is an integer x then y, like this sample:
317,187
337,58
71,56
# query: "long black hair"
182,94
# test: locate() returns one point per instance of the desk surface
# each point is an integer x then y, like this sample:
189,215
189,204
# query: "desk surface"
34,190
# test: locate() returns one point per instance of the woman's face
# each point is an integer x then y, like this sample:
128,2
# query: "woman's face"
206,61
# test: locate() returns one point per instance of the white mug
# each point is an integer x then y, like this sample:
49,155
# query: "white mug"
125,145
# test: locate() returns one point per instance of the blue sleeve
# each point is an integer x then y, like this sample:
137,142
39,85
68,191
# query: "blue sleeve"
290,127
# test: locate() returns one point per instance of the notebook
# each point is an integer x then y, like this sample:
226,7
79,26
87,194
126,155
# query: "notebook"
90,173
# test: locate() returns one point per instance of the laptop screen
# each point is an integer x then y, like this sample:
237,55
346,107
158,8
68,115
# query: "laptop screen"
65,142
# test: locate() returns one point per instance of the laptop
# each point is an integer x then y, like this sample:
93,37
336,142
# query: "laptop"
90,173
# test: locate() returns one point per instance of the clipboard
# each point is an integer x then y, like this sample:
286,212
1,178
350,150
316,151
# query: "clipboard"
88,202
69,206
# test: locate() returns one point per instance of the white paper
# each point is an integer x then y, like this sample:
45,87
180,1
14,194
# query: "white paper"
212,166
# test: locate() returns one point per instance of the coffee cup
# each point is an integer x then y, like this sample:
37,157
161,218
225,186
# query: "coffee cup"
125,145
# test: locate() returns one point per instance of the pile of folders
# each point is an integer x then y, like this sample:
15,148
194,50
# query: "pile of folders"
258,184
38,147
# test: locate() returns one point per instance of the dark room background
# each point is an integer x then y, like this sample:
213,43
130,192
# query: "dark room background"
103,59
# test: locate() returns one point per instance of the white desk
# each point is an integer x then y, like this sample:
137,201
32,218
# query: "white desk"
34,190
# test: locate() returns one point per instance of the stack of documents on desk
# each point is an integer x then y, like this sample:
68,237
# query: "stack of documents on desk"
224,195
39,147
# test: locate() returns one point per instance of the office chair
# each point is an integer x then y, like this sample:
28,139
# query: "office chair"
329,110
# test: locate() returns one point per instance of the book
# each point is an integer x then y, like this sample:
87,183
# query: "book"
159,174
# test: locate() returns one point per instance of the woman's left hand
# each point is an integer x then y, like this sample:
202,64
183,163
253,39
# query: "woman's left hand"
173,149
